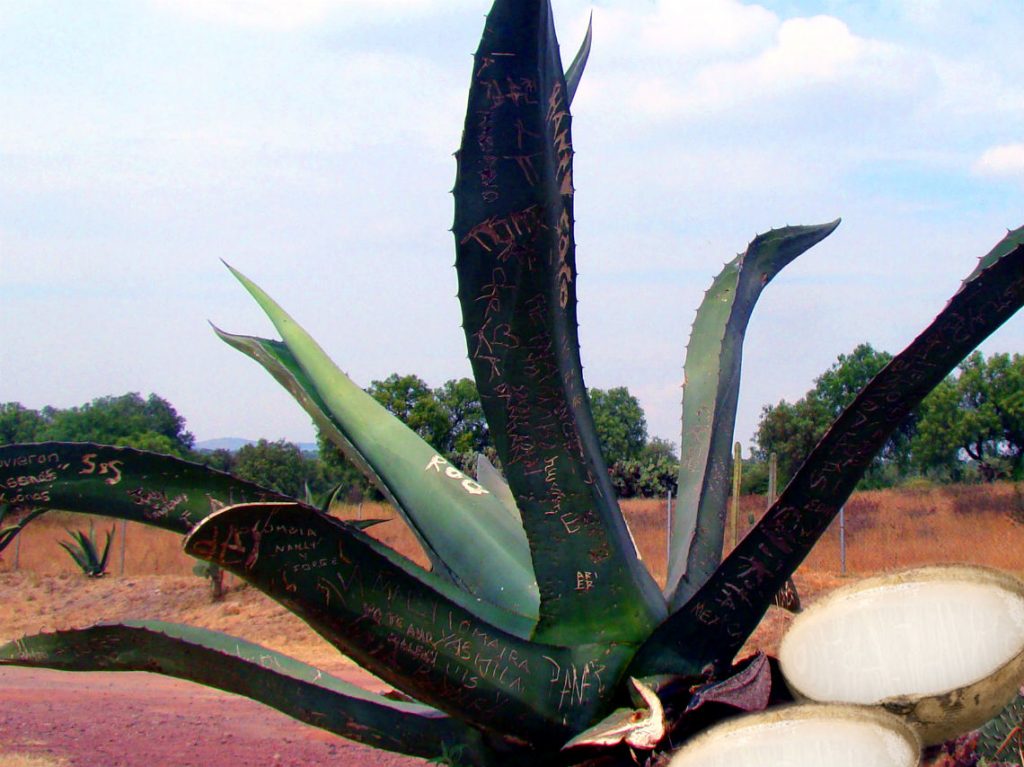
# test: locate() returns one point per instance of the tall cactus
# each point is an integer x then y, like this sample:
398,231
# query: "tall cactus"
537,637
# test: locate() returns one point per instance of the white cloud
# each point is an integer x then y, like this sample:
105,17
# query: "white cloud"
252,13
783,58
683,29
1004,160
275,14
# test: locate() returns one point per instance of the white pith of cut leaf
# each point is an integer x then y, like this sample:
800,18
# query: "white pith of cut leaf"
805,735
943,645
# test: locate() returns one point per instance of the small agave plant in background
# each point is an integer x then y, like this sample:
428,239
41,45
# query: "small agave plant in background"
83,550
537,637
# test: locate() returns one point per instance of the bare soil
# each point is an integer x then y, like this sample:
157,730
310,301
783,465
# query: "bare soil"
146,720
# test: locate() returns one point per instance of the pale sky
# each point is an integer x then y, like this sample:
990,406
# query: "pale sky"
308,143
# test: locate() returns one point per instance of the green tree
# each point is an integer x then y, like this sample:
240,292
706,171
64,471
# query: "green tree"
221,459
653,474
974,418
130,420
792,430
467,427
620,422
19,423
279,465
411,399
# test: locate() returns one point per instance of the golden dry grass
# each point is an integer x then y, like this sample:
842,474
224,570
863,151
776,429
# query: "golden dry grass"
885,530
26,760
152,551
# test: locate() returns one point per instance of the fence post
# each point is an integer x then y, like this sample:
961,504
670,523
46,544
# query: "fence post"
124,539
842,540
737,472
668,526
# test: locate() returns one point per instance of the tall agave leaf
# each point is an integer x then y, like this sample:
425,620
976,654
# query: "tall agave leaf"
517,286
712,626
423,637
121,482
574,73
710,394
464,529
238,666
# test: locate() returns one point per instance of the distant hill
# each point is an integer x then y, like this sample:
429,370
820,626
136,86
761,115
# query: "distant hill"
234,443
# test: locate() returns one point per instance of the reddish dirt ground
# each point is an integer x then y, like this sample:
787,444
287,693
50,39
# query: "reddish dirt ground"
145,720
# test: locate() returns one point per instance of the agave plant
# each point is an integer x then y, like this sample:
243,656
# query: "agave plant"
83,550
537,626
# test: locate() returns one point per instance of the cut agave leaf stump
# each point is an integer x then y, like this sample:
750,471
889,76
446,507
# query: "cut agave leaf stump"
536,637
940,646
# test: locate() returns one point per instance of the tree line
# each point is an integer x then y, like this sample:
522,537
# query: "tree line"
970,428
449,417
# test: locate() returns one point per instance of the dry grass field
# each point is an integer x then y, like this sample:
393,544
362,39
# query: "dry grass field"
885,530
28,760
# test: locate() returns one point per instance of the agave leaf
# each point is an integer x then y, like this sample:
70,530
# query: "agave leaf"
76,554
8,534
712,375
462,527
120,482
366,524
491,478
716,621
515,259
421,634
235,665
575,71
106,551
330,497
996,737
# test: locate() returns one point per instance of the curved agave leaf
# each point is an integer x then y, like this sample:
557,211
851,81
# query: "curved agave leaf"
517,287
713,625
120,482
574,73
462,527
425,638
712,375
9,533
235,665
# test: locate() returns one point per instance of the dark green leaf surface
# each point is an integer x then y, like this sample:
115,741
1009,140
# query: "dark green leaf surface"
713,625
418,633
710,394
119,482
517,287
235,665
